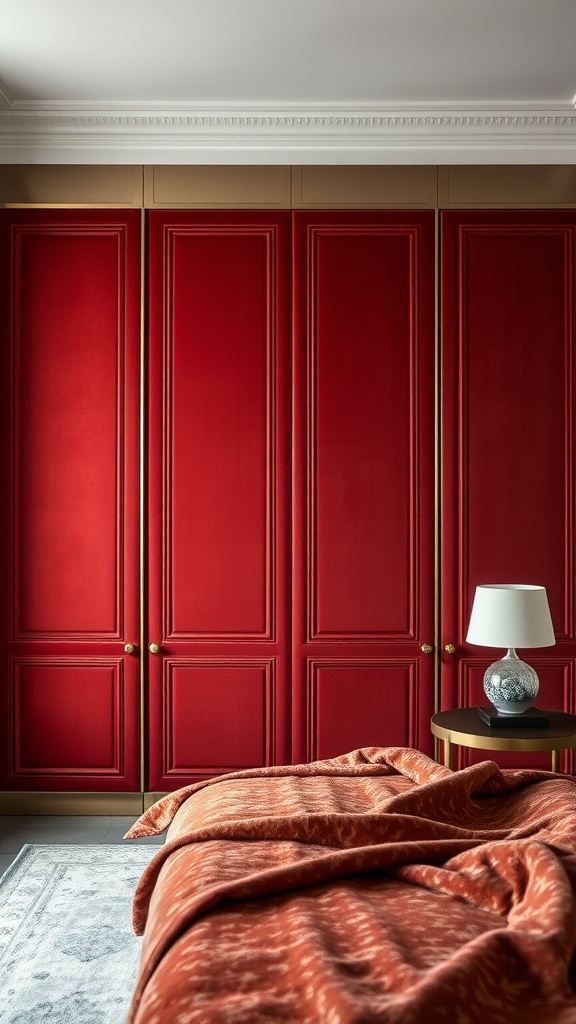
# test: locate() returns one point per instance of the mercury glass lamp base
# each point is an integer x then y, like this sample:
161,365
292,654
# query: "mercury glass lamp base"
510,684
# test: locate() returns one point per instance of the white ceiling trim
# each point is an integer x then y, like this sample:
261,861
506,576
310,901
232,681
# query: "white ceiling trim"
73,132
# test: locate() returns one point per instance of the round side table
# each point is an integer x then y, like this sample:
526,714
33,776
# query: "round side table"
464,727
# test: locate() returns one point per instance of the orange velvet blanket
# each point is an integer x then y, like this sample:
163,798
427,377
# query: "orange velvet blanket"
374,887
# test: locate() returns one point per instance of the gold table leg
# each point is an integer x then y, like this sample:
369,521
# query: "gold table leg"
555,760
448,753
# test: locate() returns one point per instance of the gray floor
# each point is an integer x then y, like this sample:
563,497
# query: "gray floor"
16,830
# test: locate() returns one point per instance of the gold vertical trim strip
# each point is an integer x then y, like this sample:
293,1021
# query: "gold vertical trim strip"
142,499
437,469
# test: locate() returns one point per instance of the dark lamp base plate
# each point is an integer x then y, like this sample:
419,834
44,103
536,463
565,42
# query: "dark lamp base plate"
530,719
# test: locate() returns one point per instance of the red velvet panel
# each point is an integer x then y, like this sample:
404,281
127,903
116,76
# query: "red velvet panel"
219,716
219,472
372,699
508,438
364,457
70,306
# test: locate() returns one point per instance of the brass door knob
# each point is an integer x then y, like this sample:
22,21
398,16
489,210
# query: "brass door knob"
449,648
427,648
129,648
154,649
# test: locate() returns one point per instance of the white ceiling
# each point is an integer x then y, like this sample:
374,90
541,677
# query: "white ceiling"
288,81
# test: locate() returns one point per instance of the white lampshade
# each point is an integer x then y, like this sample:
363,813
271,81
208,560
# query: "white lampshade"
510,615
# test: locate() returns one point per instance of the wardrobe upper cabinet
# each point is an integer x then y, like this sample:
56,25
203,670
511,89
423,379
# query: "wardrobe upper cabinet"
364,448
70,342
218,492
508,483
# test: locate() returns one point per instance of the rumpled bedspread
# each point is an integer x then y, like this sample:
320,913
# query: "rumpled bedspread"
373,887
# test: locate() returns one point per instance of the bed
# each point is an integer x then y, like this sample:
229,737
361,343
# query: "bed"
374,887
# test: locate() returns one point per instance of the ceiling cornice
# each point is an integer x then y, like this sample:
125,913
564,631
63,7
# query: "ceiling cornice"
64,132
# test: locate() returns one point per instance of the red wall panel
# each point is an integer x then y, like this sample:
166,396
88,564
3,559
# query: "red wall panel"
219,487
51,701
67,413
508,430
360,393
220,403
70,380
367,699
218,716
363,559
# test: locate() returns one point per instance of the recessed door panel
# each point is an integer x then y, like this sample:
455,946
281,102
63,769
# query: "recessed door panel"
67,717
66,420
218,715
221,408
360,704
360,503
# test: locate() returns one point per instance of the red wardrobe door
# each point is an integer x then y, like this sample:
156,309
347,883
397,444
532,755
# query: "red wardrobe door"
363,481
508,437
218,493
70,409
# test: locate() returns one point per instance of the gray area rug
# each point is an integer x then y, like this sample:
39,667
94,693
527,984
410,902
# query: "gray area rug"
68,954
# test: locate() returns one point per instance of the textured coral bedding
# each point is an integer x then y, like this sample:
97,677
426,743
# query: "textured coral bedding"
374,887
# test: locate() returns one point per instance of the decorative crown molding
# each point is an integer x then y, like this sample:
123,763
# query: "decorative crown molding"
324,122
87,133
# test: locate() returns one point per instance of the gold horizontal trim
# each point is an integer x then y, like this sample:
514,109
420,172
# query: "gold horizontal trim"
67,206
502,742
71,803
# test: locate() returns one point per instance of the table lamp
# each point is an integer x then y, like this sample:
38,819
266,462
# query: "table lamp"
510,615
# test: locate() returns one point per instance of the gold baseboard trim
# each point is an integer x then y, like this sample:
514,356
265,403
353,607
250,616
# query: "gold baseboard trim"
152,798
71,803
